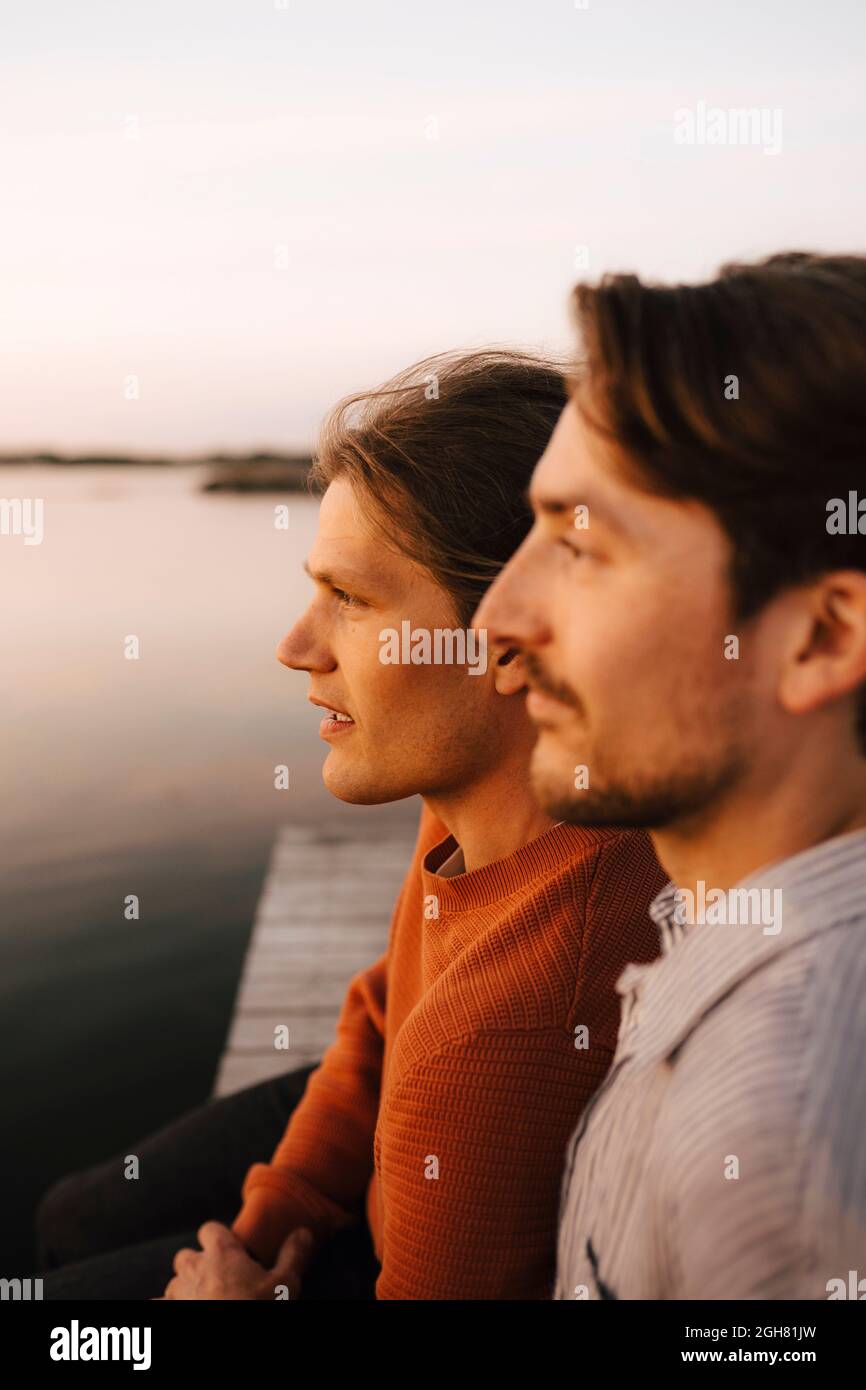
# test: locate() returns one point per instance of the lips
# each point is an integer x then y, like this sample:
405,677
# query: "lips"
541,708
331,710
335,723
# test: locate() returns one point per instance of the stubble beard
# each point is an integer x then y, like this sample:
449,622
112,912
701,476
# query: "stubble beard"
643,801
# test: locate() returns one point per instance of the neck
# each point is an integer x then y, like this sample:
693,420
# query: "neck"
751,829
493,817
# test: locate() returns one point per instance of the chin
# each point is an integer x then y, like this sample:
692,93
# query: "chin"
552,773
558,799
352,787
648,804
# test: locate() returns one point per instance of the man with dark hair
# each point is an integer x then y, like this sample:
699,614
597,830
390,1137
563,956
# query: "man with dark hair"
691,607
423,1155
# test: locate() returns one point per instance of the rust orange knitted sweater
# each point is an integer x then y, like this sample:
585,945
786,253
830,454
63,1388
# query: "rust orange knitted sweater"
460,1067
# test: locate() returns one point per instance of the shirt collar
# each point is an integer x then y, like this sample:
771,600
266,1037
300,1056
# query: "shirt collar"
454,864
820,888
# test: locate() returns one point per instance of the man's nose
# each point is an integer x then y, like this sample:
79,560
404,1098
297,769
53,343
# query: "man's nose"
303,648
512,610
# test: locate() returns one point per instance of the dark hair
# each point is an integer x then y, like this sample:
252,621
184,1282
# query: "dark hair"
765,455
441,456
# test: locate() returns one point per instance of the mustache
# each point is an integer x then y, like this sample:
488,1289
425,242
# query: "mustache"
540,680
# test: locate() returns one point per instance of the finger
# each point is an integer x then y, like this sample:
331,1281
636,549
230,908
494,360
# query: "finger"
294,1254
184,1258
214,1233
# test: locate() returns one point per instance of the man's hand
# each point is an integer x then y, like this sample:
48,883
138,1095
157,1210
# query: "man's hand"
224,1269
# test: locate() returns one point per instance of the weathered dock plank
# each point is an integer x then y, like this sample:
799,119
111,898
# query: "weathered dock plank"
323,915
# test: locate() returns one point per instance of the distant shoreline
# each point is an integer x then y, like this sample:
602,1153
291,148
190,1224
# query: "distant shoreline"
259,472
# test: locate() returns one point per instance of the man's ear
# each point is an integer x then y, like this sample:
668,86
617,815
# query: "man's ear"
508,672
828,659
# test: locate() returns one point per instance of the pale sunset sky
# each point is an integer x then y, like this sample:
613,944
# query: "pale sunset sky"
253,207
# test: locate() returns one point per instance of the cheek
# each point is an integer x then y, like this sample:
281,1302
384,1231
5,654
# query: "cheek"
599,643
616,645
432,701
391,695
440,690
363,677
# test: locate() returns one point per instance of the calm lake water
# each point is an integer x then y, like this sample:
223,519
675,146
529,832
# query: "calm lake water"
152,777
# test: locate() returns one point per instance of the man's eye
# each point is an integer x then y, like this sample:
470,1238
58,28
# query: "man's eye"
347,600
577,552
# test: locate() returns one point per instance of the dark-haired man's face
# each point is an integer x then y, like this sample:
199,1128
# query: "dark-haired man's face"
622,611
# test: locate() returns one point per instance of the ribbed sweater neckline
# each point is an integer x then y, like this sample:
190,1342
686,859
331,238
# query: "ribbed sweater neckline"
480,887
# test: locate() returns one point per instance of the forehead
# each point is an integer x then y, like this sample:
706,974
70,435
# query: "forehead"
582,466
342,517
349,548
579,467
575,459
345,549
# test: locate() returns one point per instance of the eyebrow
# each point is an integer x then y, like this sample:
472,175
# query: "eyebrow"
548,505
321,576
337,579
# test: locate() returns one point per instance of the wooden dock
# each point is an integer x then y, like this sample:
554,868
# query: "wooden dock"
324,914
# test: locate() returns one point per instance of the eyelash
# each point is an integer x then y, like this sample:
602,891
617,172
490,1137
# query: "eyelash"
577,552
347,600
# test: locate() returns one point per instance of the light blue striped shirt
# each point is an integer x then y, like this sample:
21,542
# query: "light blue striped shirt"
725,1154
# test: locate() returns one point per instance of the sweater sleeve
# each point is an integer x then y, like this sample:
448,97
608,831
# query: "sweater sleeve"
320,1169
479,1132
318,1175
